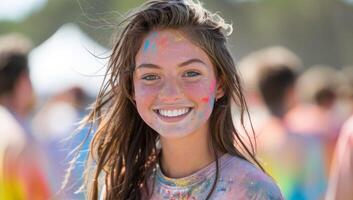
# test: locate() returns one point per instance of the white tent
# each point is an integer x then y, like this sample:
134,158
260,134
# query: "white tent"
68,58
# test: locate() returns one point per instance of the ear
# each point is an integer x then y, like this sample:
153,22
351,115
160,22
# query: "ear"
219,90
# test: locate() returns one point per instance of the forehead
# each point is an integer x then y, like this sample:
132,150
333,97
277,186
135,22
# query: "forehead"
168,47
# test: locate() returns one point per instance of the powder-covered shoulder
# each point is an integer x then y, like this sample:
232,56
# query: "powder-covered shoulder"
249,182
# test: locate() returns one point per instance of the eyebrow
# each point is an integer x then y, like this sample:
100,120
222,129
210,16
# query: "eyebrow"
153,66
194,60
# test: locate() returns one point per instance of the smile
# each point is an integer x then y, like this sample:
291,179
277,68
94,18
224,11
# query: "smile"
174,112
173,115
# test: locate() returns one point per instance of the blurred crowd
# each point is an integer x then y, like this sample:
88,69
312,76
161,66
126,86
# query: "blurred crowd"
299,118
302,118
38,136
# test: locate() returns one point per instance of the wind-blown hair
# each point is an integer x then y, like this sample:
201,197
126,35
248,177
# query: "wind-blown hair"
124,147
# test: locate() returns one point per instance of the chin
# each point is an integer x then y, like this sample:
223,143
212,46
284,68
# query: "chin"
174,134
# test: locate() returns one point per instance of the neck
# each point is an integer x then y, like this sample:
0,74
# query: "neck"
182,157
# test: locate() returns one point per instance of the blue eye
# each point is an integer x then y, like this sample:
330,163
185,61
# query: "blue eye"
150,77
191,74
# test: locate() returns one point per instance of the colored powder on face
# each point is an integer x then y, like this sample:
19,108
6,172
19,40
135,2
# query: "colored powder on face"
178,37
212,101
146,45
154,48
213,85
212,88
205,99
148,42
154,35
162,43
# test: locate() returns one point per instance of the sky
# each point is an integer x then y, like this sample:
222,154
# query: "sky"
16,10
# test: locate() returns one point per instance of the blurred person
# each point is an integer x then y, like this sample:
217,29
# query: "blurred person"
317,88
340,185
344,103
21,175
66,107
341,173
250,67
294,160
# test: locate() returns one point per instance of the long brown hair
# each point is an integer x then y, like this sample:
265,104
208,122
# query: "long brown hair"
124,146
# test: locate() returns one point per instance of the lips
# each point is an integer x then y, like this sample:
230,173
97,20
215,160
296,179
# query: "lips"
173,115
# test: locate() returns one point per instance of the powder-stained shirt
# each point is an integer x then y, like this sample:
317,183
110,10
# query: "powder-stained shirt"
238,180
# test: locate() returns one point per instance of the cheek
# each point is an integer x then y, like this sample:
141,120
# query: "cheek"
202,92
204,95
196,92
144,97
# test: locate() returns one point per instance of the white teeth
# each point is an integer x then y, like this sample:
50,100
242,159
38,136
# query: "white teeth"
173,113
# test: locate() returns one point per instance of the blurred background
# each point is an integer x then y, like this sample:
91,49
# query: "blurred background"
319,31
305,46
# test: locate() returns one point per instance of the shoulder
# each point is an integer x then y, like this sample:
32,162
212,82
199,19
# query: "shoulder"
250,182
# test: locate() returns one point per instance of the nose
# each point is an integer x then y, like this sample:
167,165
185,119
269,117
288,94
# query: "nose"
170,92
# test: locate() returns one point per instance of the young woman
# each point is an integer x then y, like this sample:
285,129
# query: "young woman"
165,129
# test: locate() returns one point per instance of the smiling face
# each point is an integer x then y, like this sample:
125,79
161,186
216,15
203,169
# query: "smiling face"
174,84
